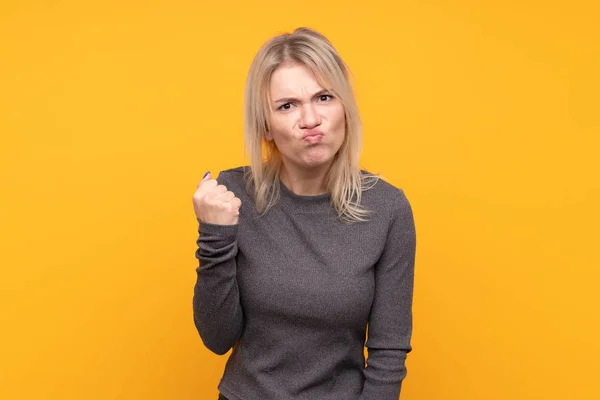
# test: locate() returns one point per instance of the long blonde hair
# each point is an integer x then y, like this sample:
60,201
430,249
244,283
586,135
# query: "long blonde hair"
344,180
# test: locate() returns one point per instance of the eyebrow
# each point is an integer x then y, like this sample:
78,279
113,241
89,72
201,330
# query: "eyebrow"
293,99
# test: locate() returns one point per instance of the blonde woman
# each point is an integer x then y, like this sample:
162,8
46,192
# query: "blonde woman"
302,250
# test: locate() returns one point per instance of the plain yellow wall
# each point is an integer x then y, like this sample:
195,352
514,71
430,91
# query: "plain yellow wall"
485,113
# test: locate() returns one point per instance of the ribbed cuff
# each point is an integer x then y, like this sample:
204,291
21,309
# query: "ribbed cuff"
217,229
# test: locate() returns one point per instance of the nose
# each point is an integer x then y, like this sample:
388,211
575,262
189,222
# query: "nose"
309,117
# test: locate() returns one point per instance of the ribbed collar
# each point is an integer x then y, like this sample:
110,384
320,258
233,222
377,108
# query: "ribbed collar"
318,203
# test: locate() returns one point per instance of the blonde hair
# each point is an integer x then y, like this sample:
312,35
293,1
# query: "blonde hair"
344,180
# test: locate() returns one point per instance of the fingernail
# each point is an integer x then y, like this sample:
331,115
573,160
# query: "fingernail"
206,174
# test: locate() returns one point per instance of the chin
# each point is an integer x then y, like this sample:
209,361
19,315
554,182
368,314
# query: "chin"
318,159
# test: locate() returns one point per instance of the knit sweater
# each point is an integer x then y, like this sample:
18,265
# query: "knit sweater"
292,292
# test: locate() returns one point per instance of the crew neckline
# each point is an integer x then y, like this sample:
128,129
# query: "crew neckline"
303,202
302,196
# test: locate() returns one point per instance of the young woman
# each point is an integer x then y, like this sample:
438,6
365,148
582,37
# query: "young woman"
302,250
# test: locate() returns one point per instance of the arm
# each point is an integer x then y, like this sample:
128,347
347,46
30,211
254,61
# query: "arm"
390,320
218,315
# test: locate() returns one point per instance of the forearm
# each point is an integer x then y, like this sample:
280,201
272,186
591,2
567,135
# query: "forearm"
218,313
384,374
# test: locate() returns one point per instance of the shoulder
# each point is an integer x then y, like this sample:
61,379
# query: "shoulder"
383,193
233,178
233,174
235,171
390,201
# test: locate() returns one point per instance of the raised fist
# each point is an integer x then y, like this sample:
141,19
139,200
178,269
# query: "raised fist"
214,204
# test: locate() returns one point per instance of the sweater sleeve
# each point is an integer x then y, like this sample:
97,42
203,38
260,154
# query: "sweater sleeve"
390,320
218,315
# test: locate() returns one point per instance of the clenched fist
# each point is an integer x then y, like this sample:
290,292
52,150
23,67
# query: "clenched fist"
214,204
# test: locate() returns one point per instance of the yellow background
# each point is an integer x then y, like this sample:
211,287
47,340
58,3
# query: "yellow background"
485,113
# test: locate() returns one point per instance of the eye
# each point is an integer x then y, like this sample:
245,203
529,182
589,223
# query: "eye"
325,97
285,107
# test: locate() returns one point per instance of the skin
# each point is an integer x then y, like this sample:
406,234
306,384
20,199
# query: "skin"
215,204
301,105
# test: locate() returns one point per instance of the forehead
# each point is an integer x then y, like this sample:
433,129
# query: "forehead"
294,79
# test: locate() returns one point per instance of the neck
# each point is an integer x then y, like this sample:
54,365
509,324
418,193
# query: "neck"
305,182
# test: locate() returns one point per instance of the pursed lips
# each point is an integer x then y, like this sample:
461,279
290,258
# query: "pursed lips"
312,133
312,136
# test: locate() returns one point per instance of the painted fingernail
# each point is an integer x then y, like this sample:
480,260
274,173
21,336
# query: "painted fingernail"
206,174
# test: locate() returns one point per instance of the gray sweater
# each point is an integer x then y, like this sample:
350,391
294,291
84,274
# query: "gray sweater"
292,292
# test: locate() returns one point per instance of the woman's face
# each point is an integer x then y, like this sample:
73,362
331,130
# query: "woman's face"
306,122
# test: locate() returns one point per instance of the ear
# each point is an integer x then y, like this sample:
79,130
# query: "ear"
268,136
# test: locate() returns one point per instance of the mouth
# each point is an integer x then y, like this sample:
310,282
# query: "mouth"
313,136
312,139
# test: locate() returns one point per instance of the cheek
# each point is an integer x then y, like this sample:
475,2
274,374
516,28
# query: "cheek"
338,119
336,112
280,128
